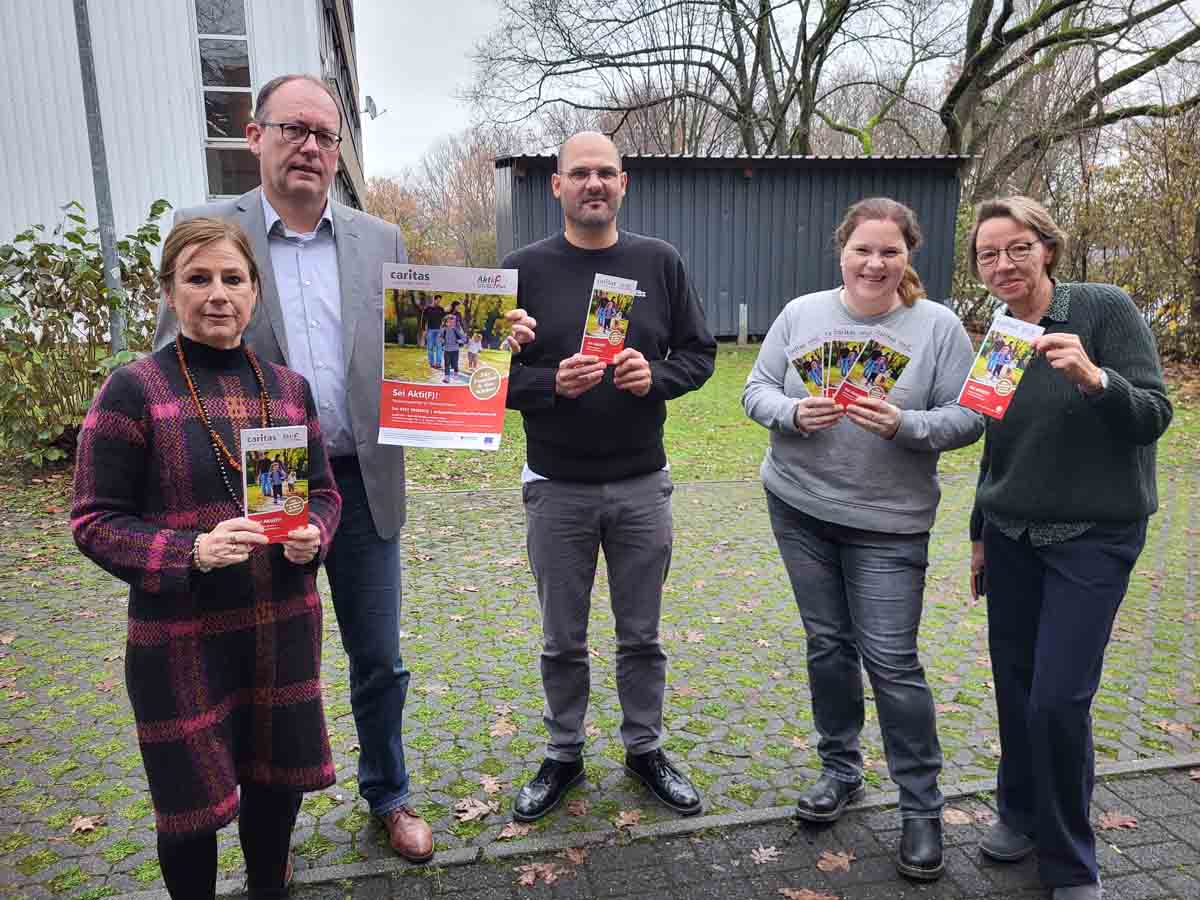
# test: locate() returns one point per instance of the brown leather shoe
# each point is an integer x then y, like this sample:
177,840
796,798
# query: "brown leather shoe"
409,834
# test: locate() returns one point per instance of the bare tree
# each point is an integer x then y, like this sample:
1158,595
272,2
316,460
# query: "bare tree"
1105,48
755,65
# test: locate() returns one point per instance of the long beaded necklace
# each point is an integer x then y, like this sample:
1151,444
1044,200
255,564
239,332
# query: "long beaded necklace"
220,450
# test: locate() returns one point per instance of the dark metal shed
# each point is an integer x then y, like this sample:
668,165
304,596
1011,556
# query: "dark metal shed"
754,230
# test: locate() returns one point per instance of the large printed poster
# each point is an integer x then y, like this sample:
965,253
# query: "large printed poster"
445,359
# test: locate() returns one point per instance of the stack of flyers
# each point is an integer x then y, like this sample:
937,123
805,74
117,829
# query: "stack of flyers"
875,371
808,358
842,347
275,478
608,316
1003,357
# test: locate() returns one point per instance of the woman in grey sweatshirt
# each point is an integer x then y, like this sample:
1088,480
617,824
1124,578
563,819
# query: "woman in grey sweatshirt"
852,492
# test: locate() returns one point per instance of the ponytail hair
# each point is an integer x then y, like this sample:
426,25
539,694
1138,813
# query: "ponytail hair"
910,288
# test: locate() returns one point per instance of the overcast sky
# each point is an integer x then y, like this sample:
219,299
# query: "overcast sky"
412,58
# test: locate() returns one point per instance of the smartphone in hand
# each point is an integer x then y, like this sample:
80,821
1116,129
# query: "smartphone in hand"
979,583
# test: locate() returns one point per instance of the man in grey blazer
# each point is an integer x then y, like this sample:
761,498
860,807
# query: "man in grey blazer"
320,313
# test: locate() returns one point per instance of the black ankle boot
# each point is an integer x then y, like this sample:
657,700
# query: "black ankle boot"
921,849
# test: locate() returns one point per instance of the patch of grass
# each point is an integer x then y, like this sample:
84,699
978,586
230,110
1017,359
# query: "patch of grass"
36,861
231,859
97,893
316,846
147,872
319,804
138,809
67,881
111,795
13,842
491,766
121,850
355,821
468,830
87,838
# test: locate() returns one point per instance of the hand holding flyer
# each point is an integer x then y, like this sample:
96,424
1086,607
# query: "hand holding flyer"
1005,353
808,359
275,478
607,319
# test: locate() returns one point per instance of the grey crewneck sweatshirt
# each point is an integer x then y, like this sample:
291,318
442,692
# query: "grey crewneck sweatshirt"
845,474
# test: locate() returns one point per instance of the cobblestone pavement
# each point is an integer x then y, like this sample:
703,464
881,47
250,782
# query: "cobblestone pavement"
738,713
1159,859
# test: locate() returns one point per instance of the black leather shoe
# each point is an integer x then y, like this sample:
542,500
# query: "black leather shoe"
921,850
824,800
547,789
665,781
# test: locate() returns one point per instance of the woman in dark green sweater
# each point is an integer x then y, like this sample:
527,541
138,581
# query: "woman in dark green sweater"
1066,484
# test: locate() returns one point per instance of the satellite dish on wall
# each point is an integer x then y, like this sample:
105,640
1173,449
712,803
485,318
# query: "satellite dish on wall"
370,109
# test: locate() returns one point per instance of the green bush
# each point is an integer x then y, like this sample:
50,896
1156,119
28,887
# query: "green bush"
54,327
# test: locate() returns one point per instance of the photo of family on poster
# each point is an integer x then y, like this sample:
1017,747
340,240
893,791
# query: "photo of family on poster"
442,337
272,476
608,314
810,365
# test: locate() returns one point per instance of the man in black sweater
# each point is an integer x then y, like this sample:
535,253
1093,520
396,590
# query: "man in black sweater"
596,471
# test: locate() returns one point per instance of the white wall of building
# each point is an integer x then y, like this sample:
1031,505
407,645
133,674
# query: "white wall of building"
147,71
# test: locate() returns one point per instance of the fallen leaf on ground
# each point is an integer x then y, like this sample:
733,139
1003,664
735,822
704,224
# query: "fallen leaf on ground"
106,685
576,856
503,728
1181,728
952,816
591,730
799,743
513,830
490,783
947,707
693,637
533,872
577,807
7,638
1111,821
760,642
470,588
88,614
805,894
985,816
761,854
777,674
113,657
686,690
594,653
1194,774
457,618
469,809
835,861
17,695
627,818
84,824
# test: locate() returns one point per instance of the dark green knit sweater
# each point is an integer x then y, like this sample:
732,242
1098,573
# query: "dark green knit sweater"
1059,456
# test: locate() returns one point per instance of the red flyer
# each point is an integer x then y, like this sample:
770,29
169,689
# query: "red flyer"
445,356
877,368
996,374
275,478
608,316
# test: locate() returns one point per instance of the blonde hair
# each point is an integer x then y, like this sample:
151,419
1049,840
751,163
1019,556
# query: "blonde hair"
197,233
885,209
1027,213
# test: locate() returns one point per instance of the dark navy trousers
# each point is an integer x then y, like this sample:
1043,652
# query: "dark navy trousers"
1050,614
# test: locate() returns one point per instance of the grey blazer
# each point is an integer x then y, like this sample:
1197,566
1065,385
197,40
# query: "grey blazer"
364,243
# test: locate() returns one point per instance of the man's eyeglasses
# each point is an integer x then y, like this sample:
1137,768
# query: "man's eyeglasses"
1017,252
295,133
581,175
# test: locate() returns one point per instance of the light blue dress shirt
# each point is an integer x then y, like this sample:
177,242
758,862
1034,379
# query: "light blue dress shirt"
306,274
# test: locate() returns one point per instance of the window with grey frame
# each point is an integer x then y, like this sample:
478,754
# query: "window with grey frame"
228,97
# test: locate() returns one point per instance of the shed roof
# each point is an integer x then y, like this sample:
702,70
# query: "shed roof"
769,161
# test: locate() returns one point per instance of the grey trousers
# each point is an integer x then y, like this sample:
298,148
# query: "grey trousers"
860,595
566,525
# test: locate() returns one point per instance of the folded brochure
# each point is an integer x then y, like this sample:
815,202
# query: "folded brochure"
877,368
607,319
275,478
1003,357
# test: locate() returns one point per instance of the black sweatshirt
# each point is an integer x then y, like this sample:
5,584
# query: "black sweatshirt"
605,434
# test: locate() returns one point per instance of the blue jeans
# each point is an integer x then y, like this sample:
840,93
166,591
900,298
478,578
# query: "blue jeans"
364,577
860,595
433,347
1050,614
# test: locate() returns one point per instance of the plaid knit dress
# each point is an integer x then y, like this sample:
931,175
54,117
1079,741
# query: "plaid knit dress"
222,667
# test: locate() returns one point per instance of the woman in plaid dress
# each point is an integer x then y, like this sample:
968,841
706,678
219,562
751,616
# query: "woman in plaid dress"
223,653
